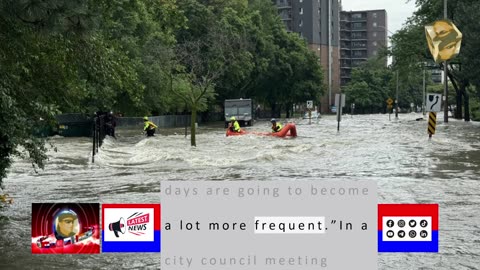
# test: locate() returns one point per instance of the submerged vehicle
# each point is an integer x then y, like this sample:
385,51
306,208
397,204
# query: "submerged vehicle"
241,109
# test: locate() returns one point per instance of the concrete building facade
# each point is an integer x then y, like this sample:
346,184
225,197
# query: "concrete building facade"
318,22
362,35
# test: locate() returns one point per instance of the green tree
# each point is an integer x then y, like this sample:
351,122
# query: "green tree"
53,59
462,71
371,85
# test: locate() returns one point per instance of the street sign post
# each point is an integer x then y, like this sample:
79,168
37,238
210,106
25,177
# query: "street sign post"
434,102
389,107
309,104
309,107
444,41
339,103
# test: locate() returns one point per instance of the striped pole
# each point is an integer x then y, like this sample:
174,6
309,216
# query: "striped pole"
432,122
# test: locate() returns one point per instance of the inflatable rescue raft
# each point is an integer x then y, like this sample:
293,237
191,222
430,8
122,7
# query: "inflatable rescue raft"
288,130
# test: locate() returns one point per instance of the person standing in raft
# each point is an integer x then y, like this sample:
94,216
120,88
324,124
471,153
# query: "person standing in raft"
149,127
276,127
233,125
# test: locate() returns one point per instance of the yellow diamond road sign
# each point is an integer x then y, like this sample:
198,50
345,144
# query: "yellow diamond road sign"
444,40
389,101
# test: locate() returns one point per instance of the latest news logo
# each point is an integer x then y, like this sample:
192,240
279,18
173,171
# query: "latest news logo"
131,228
136,224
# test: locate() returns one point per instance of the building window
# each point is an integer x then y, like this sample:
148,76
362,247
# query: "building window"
374,34
300,1
374,43
357,53
357,44
356,16
374,15
374,24
357,25
356,35
300,23
374,52
300,11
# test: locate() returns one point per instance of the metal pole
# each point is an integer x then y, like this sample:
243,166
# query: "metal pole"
329,10
396,100
93,143
445,77
423,96
339,110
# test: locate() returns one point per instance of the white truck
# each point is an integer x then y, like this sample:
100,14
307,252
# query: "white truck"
242,109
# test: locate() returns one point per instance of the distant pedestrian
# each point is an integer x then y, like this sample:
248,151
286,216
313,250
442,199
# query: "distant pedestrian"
110,124
257,112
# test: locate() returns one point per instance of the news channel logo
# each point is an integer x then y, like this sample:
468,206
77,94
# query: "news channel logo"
131,228
65,228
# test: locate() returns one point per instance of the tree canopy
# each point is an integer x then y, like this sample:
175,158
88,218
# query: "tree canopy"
141,57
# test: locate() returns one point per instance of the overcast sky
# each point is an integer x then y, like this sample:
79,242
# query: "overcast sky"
397,10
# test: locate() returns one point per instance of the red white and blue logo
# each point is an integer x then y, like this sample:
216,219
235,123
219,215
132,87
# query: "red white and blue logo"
408,228
131,228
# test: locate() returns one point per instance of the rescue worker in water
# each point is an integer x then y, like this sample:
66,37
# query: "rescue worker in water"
276,127
148,127
233,125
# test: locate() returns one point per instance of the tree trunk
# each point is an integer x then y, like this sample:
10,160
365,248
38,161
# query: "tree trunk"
467,106
458,109
289,108
458,92
193,120
274,107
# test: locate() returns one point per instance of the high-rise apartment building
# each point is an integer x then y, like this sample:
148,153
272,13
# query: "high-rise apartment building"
362,35
318,22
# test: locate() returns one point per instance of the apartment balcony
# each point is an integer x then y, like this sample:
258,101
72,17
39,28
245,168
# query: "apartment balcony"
286,5
363,19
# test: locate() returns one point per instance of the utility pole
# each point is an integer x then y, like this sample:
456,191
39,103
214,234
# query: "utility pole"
445,77
423,96
396,100
329,9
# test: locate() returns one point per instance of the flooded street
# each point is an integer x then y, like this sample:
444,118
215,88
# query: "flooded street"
397,155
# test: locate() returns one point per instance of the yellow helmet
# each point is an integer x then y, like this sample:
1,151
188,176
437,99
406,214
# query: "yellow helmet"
145,118
232,118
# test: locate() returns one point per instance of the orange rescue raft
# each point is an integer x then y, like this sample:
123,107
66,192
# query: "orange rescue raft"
288,130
